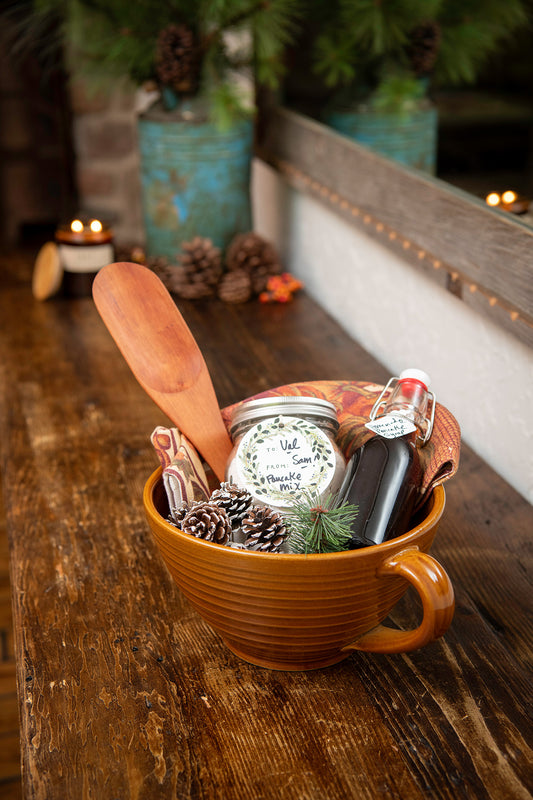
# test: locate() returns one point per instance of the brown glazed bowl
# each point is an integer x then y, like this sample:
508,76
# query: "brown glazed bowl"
297,612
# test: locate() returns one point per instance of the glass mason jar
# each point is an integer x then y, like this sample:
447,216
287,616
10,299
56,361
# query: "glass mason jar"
284,448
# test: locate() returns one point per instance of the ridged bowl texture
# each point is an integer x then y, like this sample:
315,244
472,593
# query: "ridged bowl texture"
296,612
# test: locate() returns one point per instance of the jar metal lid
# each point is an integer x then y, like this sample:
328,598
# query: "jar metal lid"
270,406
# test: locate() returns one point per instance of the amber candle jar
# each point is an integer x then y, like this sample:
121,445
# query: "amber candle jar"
84,247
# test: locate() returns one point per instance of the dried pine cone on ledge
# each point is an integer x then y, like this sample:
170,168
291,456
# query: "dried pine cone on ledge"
198,271
253,254
235,287
177,281
202,262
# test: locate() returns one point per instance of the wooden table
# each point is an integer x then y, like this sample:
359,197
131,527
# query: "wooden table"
126,693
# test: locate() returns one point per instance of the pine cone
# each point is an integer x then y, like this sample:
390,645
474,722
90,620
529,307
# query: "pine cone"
233,500
178,59
207,521
264,529
202,262
235,287
178,515
423,47
177,281
256,256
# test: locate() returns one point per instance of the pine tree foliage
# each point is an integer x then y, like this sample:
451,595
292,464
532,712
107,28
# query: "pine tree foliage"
107,38
359,43
472,30
366,41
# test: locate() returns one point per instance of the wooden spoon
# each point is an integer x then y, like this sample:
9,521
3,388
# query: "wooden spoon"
163,355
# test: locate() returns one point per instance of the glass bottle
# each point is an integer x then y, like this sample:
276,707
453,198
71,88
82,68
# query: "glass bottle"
384,475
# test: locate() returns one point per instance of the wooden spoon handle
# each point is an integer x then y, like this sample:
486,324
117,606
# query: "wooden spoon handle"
163,355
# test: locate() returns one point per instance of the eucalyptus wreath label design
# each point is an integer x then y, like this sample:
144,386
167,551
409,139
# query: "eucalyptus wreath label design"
283,457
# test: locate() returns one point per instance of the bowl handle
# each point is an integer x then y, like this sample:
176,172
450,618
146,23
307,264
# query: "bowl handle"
436,592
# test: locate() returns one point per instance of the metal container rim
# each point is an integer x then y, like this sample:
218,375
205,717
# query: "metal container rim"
270,406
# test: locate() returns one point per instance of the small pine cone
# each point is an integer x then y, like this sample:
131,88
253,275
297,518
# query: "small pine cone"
256,256
235,287
423,47
264,530
178,515
260,277
207,521
233,500
178,59
201,261
178,282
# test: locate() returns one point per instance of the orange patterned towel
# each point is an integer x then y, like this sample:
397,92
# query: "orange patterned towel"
184,476
354,401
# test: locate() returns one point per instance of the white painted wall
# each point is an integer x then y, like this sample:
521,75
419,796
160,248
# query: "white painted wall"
479,371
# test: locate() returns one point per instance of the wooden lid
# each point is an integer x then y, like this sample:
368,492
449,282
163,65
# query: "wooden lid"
47,272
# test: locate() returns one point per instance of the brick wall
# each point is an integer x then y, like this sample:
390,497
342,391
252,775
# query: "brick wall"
107,159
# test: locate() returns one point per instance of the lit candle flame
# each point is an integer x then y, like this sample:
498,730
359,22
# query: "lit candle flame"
492,199
509,196
96,226
76,226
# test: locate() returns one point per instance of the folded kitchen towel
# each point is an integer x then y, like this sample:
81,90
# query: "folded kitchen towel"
184,476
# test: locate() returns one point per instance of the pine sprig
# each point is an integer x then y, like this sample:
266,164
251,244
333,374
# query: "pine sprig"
104,39
318,525
360,39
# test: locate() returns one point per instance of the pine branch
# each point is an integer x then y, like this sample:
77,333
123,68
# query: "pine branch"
243,15
471,31
319,526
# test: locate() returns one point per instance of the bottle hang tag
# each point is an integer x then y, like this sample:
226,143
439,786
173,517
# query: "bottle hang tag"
391,426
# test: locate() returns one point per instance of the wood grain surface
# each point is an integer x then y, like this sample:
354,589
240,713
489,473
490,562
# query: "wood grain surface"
124,692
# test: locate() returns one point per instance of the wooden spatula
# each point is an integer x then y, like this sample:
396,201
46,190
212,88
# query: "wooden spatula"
161,351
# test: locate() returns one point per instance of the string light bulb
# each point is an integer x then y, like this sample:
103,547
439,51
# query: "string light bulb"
509,196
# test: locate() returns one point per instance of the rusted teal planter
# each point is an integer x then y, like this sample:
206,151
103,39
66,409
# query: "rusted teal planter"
195,180
409,138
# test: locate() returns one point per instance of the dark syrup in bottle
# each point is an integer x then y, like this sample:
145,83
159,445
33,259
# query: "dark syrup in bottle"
385,473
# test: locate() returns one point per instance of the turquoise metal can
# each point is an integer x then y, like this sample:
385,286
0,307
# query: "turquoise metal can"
409,138
195,181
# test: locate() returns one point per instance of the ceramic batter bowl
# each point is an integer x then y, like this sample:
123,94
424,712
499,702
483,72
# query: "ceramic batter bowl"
298,612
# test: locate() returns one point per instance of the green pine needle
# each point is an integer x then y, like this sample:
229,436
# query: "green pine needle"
319,526
104,39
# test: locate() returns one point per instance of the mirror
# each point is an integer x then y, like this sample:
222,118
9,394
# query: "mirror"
484,134
483,257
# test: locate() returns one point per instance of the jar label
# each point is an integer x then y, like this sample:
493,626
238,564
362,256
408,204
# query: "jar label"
85,258
391,426
281,458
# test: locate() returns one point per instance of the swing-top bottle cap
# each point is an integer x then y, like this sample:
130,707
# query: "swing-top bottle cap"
416,375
